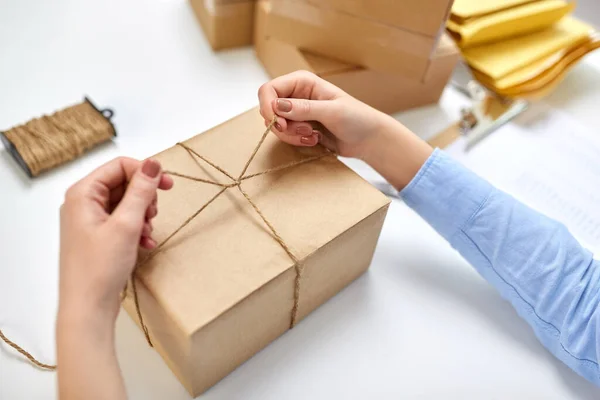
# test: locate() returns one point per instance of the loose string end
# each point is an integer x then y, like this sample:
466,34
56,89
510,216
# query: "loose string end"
26,354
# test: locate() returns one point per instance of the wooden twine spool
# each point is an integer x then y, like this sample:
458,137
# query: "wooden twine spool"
49,141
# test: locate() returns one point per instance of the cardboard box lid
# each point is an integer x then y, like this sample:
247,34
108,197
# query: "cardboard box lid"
226,252
210,4
324,66
350,39
353,28
425,17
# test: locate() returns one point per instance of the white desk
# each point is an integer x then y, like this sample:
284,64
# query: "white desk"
420,325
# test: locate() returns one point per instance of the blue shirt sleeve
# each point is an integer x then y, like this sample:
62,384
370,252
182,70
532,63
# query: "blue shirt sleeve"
532,260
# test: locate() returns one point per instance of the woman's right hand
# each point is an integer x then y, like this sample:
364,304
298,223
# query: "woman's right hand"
352,128
302,97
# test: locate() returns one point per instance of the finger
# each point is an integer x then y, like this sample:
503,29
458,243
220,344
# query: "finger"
305,110
151,212
139,195
279,127
300,85
114,173
147,243
166,182
147,229
302,141
299,128
116,195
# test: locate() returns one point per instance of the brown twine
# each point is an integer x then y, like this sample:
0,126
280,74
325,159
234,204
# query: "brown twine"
26,354
237,184
49,141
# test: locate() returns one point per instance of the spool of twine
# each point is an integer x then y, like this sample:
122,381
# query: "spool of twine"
52,140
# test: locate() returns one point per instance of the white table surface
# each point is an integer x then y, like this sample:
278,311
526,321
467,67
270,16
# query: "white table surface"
420,325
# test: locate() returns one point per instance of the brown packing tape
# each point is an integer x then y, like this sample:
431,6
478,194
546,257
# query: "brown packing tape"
226,25
424,17
350,39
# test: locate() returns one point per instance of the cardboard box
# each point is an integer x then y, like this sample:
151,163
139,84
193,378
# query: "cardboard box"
348,38
223,287
386,92
226,23
425,17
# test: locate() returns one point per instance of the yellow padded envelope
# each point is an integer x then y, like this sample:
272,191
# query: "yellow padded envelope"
541,77
464,9
497,60
511,22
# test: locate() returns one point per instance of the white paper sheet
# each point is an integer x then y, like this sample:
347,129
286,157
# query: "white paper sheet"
549,161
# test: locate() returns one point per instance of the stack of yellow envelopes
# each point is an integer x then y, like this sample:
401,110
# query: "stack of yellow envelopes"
476,22
520,48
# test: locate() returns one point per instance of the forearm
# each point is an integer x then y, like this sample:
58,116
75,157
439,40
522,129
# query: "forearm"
532,260
395,152
87,362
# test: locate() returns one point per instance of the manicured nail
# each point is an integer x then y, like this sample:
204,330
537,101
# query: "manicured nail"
278,127
284,105
151,168
307,140
304,130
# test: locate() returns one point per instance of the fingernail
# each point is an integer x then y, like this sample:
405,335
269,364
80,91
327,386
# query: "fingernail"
308,140
278,127
284,105
151,168
304,130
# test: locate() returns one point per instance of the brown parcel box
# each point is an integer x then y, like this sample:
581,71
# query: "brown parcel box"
351,39
427,17
226,23
223,288
386,92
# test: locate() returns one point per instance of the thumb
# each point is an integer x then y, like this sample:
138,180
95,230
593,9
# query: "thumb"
131,211
305,110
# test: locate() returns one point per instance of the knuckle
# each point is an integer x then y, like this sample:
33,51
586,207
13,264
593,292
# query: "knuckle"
125,225
123,160
262,90
141,190
304,106
73,193
304,74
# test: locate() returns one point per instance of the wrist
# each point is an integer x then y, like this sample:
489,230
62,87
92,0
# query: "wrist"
78,319
84,308
396,152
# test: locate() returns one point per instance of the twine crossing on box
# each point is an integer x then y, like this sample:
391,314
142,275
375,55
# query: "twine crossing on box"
235,183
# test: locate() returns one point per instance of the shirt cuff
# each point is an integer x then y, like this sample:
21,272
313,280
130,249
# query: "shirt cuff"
446,194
